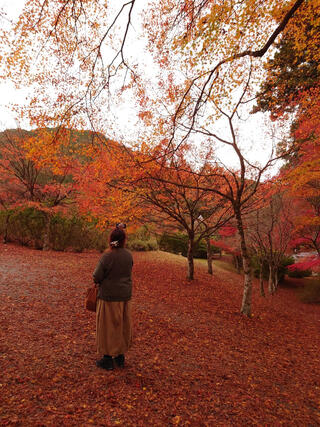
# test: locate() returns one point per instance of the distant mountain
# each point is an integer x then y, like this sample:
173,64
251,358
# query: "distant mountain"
75,138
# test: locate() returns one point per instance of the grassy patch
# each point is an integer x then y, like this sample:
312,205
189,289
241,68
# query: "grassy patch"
219,264
168,257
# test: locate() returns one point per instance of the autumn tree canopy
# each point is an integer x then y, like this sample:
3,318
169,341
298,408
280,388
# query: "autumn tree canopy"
292,88
75,48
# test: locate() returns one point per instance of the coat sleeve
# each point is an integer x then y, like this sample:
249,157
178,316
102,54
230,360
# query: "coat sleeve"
98,273
101,270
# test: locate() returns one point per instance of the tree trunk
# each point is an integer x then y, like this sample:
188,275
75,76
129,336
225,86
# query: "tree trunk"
271,285
270,279
262,293
237,262
247,288
276,279
190,258
209,256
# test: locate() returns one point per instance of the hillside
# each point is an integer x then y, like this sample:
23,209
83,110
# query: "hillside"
75,138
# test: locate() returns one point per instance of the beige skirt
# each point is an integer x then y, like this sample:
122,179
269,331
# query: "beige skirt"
113,327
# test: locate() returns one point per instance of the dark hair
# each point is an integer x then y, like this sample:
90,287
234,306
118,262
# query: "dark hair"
117,238
121,225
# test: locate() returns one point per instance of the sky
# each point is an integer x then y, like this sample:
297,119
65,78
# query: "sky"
255,133
8,93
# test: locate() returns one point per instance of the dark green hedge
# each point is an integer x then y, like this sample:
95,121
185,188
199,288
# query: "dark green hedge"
28,227
178,244
75,233
282,270
142,240
300,273
25,226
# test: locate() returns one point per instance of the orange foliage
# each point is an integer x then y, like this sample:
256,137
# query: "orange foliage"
33,172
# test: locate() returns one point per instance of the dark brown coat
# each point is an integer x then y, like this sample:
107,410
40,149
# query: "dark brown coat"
113,275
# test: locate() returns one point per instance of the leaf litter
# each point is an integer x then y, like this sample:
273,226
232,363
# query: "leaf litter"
195,360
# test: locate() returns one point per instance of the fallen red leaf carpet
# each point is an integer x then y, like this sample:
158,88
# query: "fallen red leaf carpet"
195,360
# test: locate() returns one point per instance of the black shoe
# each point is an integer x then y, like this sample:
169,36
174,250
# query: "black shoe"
105,363
120,360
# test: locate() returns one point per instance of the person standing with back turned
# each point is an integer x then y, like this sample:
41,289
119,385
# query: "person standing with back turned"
113,314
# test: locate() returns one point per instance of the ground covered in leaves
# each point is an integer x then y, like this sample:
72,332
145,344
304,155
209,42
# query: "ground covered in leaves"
195,360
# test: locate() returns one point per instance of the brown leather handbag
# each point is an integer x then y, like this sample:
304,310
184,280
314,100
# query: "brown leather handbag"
91,298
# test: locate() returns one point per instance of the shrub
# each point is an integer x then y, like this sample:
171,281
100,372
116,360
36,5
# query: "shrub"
152,245
282,270
143,233
99,240
4,222
178,244
175,243
138,245
300,273
142,240
60,231
74,232
200,251
26,226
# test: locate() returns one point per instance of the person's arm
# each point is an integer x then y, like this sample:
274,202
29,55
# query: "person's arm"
101,270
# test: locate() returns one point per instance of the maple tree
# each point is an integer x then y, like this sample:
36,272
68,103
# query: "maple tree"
238,186
102,190
72,170
134,187
69,41
43,181
211,40
303,175
303,183
14,168
227,240
79,46
87,41
292,85
175,192
209,232
270,231
293,70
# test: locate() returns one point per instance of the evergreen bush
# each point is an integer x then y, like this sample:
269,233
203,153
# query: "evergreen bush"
175,243
178,244
138,245
282,269
300,273
142,240
27,226
75,233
